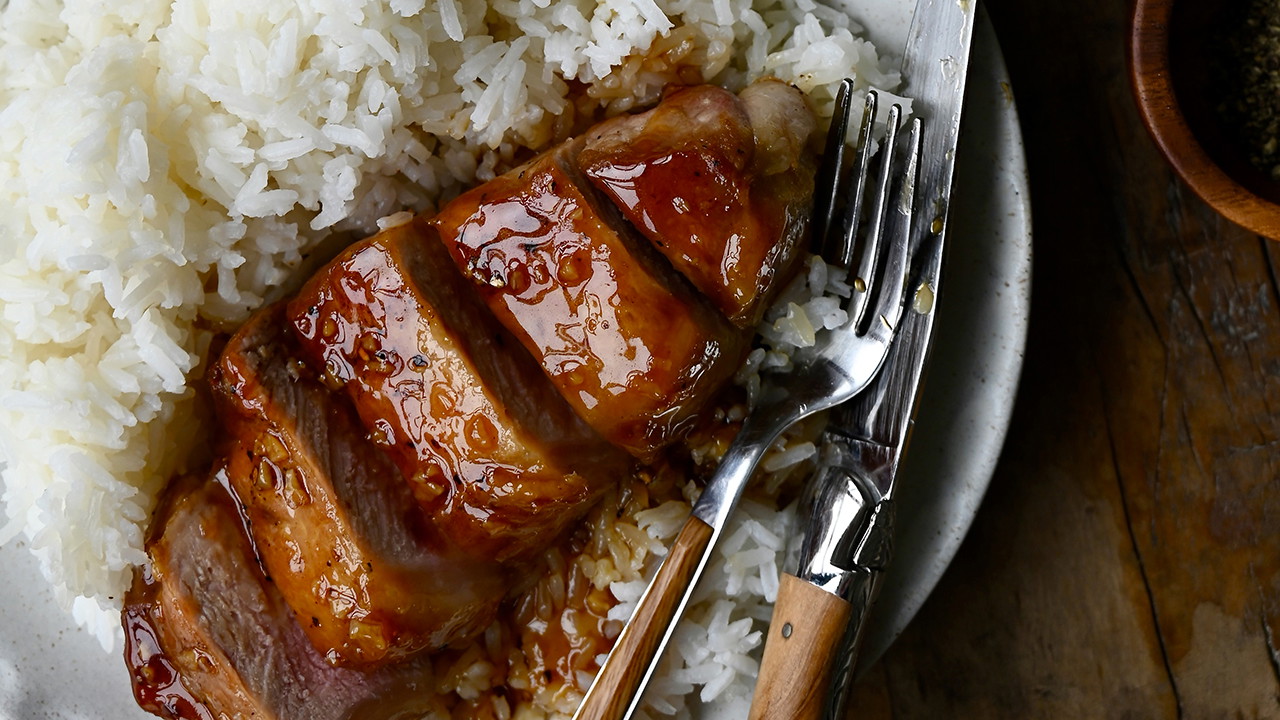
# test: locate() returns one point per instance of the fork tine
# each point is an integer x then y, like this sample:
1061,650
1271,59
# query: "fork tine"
828,178
842,254
864,280
889,298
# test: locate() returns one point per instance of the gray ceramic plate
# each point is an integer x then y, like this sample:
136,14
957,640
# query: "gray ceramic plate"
49,669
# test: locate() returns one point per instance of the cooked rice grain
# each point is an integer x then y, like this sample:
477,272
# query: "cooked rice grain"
166,166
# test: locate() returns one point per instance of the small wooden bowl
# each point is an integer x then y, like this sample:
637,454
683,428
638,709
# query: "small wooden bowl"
1170,44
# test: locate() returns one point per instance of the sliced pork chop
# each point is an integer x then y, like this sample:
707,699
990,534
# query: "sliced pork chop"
498,458
208,636
721,184
369,576
625,339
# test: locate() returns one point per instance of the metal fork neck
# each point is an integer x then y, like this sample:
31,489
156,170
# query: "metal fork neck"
761,428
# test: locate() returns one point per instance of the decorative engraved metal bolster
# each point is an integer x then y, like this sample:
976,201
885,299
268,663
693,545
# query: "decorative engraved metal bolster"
845,548
850,531
870,560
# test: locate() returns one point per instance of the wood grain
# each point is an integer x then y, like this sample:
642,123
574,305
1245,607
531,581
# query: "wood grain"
616,684
1126,560
800,652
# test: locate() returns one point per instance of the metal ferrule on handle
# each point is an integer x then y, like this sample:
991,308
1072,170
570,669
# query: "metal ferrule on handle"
850,529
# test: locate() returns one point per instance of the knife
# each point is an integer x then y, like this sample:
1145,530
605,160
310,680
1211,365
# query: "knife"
819,619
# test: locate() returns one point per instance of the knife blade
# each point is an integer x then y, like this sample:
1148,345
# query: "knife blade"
819,617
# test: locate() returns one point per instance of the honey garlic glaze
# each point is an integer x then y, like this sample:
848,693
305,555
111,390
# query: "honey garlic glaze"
630,345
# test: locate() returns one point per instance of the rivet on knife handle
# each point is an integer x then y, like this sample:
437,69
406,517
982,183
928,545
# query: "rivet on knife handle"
806,649
804,640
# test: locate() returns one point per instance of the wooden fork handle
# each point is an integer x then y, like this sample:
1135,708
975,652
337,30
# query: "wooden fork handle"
611,693
805,635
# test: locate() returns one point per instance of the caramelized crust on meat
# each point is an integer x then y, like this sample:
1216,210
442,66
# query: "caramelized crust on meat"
207,636
445,400
497,457
334,523
632,347
720,184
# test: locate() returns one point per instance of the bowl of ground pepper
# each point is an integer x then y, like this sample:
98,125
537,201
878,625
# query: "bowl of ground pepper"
1206,76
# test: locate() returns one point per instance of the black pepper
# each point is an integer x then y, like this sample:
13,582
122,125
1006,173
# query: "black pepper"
1248,73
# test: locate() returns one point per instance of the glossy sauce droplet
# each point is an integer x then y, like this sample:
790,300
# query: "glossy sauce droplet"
577,377
271,447
369,637
380,363
383,432
333,375
293,490
481,433
198,658
342,600
539,274
428,483
517,278
368,346
264,475
157,685
923,302
573,270
442,400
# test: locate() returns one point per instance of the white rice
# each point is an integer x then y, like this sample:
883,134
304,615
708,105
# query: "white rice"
167,166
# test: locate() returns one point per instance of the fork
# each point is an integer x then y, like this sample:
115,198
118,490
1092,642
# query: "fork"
837,367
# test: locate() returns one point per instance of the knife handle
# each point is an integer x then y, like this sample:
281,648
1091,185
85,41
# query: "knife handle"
805,636
614,687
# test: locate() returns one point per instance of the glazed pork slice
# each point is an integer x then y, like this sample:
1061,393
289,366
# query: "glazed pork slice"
625,339
366,572
497,457
208,636
721,184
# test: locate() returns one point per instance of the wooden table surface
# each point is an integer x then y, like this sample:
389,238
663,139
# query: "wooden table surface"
1126,561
